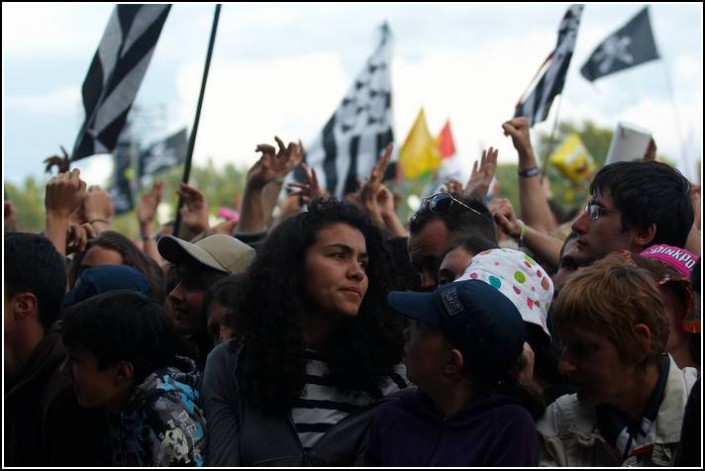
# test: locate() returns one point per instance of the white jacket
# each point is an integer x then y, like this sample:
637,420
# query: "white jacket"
570,436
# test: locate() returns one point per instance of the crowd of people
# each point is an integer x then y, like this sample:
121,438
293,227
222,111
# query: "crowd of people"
327,332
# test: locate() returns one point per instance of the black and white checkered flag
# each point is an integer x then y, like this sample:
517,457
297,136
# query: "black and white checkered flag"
115,75
360,129
536,105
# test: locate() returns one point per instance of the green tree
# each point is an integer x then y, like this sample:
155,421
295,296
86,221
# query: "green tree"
29,201
595,138
222,186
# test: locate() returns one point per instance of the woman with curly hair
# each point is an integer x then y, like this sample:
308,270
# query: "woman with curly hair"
316,349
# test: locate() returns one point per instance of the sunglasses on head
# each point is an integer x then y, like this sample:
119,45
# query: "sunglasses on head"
440,203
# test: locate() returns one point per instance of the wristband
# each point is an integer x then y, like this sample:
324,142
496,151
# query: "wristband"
529,172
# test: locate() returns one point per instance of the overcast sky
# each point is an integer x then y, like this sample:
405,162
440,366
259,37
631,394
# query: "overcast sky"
283,68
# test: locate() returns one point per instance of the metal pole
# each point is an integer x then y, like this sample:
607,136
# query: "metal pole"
194,130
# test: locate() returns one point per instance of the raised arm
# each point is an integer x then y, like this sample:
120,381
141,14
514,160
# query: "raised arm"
194,213
534,207
369,189
64,194
272,166
546,247
98,208
146,214
285,161
482,173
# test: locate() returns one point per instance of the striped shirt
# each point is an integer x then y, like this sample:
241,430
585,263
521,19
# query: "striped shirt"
322,405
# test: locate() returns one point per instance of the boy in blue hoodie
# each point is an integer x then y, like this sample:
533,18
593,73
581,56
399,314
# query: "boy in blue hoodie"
121,357
464,351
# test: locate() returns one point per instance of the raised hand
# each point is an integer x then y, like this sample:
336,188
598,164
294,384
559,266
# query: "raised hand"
309,190
274,164
504,216
370,188
518,130
98,207
149,202
534,207
62,163
287,158
481,177
64,194
194,212
78,236
385,201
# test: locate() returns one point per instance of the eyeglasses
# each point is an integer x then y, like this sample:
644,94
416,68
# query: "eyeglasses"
596,211
440,203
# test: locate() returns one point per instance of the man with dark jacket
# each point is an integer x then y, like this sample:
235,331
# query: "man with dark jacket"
43,424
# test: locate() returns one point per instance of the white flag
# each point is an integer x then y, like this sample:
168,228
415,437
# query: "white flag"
360,129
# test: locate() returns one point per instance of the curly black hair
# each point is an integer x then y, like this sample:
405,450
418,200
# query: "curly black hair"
361,352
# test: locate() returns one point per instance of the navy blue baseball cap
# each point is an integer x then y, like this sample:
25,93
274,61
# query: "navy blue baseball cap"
474,317
103,278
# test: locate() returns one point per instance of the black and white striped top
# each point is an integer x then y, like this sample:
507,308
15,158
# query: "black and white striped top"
321,406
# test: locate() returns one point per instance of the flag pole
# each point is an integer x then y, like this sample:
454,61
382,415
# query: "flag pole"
194,129
552,138
533,80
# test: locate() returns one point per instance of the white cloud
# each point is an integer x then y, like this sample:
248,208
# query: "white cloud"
48,29
51,104
248,103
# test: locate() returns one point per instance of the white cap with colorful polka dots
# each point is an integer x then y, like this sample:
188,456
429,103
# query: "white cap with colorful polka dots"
519,277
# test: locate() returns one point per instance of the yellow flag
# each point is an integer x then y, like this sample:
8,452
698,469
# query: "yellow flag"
419,154
573,160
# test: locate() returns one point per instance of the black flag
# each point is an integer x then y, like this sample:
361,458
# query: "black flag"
164,154
536,105
115,75
630,45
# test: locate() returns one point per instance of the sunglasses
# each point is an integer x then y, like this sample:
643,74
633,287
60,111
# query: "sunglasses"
596,211
440,203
